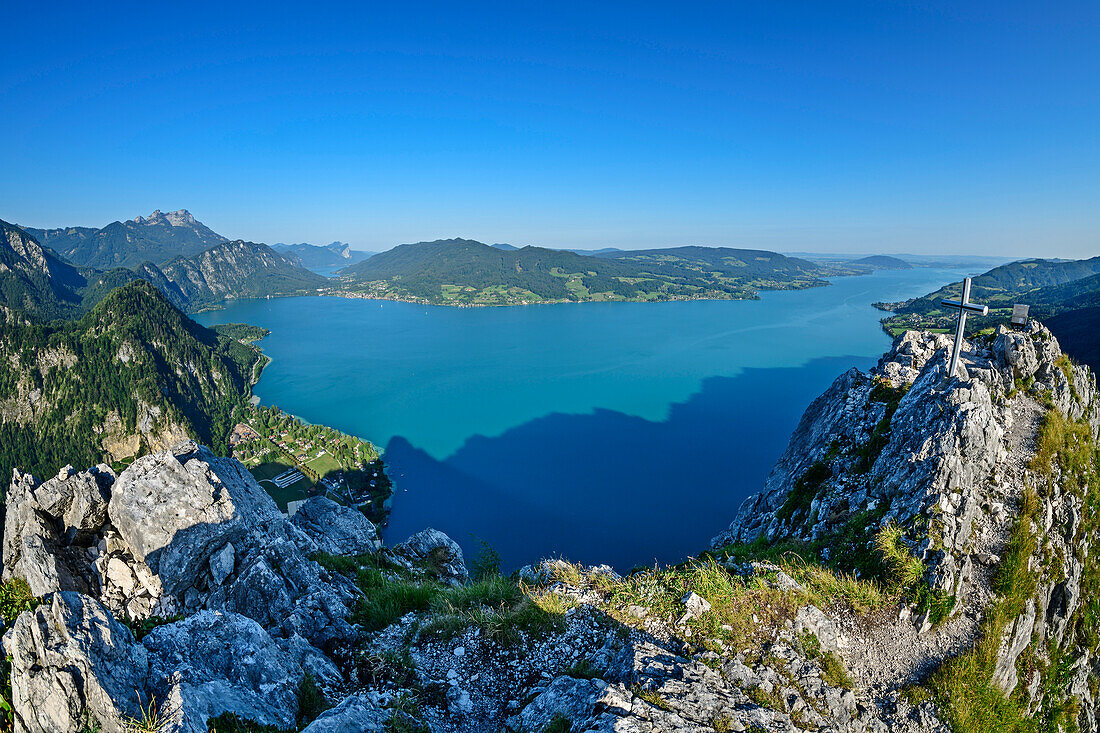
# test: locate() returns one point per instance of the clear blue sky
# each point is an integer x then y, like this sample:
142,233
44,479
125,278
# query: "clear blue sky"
845,127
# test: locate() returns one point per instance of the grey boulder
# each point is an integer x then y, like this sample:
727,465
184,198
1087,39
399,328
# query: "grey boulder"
213,663
356,714
570,698
39,544
436,552
177,508
74,664
336,529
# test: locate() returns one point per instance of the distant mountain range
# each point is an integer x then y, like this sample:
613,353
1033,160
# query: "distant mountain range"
156,238
312,256
605,250
37,283
467,272
913,260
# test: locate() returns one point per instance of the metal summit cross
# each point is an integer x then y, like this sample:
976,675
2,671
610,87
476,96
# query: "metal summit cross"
964,306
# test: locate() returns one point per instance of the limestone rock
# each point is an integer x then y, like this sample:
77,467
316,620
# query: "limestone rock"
222,563
1016,639
336,529
356,714
943,439
175,509
694,606
213,662
572,698
811,619
71,662
87,510
436,552
35,546
1015,354
278,587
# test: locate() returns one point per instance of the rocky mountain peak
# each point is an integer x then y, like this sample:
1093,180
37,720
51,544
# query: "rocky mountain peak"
180,218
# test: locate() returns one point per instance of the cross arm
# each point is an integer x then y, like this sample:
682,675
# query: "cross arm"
968,307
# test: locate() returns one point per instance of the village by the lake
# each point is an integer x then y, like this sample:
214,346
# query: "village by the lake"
294,460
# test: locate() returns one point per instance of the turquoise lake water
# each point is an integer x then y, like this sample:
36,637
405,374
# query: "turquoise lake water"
624,433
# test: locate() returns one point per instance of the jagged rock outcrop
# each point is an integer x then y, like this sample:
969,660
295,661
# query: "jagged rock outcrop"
947,459
183,531
214,503
355,714
49,527
336,529
73,663
905,441
436,551
215,662
178,532
74,667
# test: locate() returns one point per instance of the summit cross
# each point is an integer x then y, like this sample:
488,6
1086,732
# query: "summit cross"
964,306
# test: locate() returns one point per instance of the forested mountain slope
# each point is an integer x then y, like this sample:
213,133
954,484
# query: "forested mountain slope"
35,282
134,374
466,272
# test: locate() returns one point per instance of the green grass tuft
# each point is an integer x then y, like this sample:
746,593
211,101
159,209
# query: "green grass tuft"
558,724
652,697
15,598
311,701
582,670
797,506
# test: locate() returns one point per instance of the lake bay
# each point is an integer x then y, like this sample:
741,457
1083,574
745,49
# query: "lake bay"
620,433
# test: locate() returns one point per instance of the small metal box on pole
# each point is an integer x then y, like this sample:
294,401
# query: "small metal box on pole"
1019,315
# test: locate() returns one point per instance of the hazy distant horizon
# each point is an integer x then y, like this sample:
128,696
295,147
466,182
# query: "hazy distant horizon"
383,247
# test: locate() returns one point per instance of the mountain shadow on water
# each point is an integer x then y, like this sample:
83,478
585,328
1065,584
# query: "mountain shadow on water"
607,487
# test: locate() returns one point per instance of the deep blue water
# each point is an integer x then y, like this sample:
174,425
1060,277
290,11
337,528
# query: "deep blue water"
603,432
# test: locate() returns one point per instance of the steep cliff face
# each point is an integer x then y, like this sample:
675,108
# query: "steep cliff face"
33,279
990,478
238,270
921,559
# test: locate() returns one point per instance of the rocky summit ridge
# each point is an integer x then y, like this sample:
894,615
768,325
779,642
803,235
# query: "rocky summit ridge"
920,559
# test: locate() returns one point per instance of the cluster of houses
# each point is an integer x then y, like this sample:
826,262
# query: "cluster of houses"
362,491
